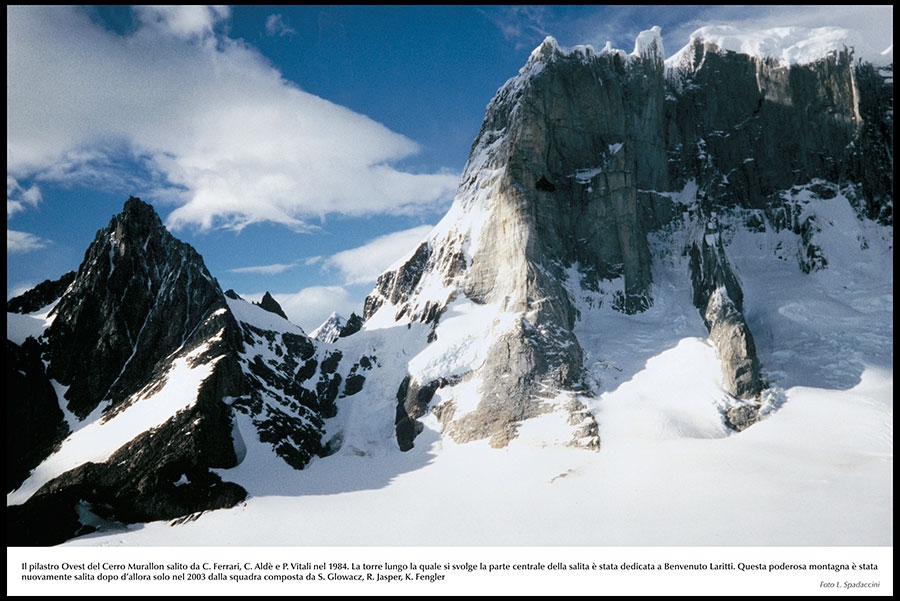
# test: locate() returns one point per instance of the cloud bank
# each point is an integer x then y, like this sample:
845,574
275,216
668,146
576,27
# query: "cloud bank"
212,125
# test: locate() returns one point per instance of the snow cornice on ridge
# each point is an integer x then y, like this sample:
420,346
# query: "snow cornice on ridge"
785,46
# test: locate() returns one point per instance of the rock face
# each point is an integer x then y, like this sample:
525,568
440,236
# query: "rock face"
718,296
33,428
139,295
551,182
271,305
576,166
749,126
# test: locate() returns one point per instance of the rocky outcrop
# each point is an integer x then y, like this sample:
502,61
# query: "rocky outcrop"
34,421
412,403
287,399
140,302
271,305
162,474
577,136
720,299
353,325
552,182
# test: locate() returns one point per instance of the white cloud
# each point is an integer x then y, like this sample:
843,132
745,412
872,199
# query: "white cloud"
18,198
207,117
183,21
22,242
273,269
310,307
365,263
275,25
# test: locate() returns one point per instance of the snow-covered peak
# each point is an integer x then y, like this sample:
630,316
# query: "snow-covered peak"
258,317
545,50
330,330
648,44
787,45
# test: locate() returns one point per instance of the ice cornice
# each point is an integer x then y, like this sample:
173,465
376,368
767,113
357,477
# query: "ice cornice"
544,52
648,45
785,46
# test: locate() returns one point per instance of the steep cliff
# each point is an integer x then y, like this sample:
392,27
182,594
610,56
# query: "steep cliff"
586,156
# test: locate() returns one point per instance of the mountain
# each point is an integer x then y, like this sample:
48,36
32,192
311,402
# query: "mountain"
330,330
639,250
142,371
586,160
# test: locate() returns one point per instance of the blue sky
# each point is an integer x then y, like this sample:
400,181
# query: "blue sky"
300,149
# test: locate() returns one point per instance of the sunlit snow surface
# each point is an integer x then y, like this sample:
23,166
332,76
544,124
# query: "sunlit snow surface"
785,45
817,471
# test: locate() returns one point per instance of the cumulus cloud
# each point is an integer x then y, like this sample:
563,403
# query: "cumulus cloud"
22,242
183,21
363,264
206,117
